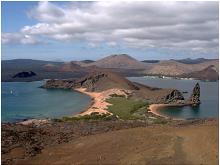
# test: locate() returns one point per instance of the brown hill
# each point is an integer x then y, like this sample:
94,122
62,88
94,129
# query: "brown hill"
70,67
101,81
122,61
50,67
174,68
209,74
95,81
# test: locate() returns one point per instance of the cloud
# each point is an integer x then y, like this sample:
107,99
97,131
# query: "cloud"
16,38
171,25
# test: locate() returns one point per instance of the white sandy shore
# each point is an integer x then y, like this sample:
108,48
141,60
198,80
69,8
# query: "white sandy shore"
99,104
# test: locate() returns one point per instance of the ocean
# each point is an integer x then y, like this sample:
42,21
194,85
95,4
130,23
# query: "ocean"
25,100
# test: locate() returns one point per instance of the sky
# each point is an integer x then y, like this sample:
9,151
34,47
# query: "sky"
64,31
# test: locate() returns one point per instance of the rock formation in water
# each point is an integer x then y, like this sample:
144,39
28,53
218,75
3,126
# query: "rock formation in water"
174,97
24,74
195,96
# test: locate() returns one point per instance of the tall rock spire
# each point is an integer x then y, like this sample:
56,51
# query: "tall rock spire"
195,96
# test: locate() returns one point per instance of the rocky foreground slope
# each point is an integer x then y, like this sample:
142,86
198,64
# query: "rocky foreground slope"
111,142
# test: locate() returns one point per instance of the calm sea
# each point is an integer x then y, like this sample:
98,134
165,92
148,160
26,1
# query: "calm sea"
209,106
24,100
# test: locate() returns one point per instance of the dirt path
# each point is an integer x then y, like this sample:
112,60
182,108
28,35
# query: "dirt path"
160,144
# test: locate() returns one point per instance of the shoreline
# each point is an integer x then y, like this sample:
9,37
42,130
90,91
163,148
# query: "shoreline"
156,108
98,100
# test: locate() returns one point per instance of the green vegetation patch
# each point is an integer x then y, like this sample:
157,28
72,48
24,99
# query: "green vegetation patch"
127,108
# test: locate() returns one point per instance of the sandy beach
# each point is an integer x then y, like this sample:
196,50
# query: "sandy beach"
156,108
99,103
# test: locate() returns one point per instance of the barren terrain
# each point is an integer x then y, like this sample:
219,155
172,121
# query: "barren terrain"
190,144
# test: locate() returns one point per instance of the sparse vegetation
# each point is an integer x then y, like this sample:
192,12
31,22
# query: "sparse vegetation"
116,95
160,121
127,108
92,116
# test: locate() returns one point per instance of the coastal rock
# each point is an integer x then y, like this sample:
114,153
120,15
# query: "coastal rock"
24,74
174,97
195,96
59,84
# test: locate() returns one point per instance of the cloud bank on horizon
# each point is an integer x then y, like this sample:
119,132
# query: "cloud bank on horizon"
191,26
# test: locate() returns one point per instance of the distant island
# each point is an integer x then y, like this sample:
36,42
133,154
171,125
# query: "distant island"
200,69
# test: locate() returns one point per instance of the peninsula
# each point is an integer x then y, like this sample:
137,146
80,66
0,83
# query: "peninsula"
103,86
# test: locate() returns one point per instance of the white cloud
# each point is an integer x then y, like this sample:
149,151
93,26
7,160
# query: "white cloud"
18,38
174,25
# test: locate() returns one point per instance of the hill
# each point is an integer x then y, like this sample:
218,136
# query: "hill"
174,68
193,61
122,64
122,61
43,70
210,74
70,67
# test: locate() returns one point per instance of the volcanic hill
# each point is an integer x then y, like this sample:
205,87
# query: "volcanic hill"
121,61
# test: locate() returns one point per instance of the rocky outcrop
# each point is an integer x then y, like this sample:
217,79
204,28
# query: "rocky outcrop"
174,96
195,96
59,84
24,74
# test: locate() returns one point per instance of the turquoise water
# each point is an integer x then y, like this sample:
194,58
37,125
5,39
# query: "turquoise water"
209,106
24,100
